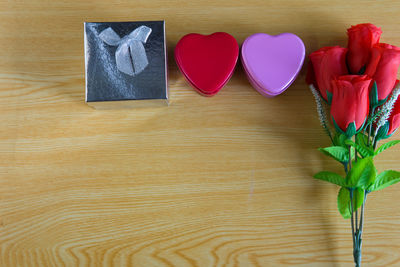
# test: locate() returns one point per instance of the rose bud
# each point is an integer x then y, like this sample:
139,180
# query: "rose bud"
392,123
383,67
394,118
350,102
362,38
326,63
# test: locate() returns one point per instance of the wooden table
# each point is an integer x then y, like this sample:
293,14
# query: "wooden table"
221,181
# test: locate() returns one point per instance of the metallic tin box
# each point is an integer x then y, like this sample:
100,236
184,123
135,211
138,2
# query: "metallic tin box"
125,64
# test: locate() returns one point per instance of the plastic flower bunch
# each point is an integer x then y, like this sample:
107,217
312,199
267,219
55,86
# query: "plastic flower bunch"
356,90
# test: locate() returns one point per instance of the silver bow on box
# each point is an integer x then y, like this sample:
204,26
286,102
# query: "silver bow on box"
130,56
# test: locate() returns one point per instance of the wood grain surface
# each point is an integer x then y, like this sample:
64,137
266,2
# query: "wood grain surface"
220,181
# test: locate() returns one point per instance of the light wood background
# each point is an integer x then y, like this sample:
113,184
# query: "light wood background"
221,181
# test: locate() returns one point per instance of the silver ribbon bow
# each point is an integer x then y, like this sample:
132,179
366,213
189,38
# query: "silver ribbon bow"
130,55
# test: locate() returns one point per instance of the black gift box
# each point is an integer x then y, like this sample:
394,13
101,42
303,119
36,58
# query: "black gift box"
125,64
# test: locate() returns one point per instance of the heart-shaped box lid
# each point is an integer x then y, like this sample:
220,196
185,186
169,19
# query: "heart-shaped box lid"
271,62
207,61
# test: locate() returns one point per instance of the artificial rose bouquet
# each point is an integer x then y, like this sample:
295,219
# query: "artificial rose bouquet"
359,85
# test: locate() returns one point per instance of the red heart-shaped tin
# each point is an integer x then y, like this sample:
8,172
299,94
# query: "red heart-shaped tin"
207,61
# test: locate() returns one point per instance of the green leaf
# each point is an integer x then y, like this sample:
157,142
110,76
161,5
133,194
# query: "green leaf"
329,97
344,206
385,179
343,202
338,130
373,95
382,132
363,150
362,139
331,177
386,146
351,129
358,198
337,152
339,140
362,173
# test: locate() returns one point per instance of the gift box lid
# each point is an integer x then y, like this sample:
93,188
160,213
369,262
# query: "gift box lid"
125,64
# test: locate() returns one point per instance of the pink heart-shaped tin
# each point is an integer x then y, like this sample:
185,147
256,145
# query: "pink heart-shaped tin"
271,62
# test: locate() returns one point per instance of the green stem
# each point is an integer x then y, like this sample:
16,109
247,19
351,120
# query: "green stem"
352,218
362,212
351,191
355,159
356,221
330,136
345,167
355,149
358,235
370,126
374,143
349,158
356,231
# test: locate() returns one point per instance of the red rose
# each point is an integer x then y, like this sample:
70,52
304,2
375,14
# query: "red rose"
394,118
350,102
385,61
362,38
327,63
